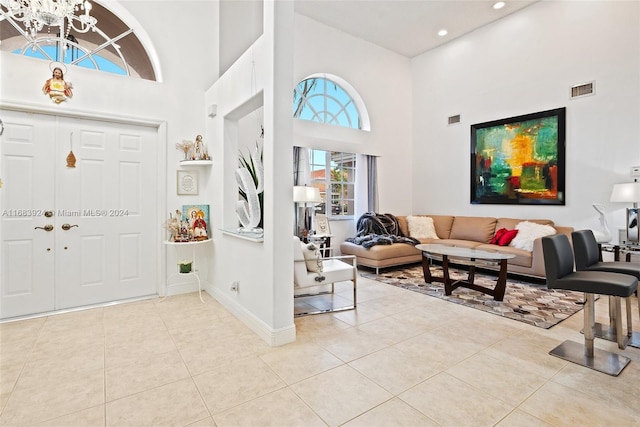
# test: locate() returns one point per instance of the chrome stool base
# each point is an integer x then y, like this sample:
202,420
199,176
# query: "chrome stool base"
586,354
608,333
601,360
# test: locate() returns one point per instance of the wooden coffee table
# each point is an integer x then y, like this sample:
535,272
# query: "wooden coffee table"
466,256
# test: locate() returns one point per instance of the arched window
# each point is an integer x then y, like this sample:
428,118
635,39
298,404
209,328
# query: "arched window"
113,47
328,99
325,98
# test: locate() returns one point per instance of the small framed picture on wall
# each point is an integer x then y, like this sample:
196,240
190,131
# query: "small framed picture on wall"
187,182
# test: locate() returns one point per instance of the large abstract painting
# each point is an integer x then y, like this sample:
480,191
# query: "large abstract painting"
519,160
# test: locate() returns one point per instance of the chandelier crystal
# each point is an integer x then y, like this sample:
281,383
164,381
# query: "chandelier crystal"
66,14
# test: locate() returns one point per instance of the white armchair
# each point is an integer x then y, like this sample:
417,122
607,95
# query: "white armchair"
312,276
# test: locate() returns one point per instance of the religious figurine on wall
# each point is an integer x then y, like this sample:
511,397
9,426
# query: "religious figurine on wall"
57,88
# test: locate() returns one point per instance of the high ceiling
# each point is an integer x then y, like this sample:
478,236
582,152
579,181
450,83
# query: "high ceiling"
408,27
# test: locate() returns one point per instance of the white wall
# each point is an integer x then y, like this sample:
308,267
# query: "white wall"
383,80
260,77
240,26
521,64
187,51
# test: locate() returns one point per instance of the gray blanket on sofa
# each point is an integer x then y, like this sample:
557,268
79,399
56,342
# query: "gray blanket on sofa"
379,229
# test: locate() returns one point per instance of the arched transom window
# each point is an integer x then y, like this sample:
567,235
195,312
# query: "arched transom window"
324,100
113,47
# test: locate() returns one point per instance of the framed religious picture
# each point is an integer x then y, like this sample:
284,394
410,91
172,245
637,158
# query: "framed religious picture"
197,217
187,182
322,225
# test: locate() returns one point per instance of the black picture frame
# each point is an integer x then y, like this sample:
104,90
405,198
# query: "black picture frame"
519,160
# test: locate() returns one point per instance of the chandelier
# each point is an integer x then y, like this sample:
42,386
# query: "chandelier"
35,14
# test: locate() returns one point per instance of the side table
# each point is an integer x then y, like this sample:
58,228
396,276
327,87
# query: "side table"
194,272
324,242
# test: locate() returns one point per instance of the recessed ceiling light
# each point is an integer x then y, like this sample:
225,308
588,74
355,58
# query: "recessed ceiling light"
443,33
499,5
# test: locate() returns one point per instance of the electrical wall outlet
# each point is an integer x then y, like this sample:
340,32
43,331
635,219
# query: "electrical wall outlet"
235,286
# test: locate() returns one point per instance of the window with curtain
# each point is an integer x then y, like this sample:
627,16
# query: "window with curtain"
334,174
328,99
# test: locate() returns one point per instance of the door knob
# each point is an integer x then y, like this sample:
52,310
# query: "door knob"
47,227
66,227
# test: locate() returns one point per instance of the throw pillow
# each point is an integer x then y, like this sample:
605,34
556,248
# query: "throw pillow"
528,232
312,257
496,238
421,227
507,237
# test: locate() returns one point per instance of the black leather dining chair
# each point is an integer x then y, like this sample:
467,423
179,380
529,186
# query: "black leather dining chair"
587,256
560,274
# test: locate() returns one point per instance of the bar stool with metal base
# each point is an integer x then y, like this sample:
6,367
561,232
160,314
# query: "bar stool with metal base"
587,255
558,263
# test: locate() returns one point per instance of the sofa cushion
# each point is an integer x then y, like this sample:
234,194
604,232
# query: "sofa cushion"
510,223
528,232
497,236
379,251
442,224
477,229
402,224
421,227
312,257
507,237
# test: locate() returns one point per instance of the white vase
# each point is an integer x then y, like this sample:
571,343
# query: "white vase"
602,234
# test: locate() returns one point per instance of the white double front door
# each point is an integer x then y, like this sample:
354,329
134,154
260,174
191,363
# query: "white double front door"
76,236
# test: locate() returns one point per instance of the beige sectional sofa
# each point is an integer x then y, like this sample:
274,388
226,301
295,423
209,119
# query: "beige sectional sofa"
462,231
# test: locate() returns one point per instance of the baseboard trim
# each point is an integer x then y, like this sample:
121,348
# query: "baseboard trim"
183,288
273,337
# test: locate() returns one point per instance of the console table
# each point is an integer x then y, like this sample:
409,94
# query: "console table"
194,272
617,250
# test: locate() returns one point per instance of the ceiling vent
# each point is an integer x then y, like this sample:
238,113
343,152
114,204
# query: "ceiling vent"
584,89
454,119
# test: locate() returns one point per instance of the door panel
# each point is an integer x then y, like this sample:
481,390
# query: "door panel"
103,244
113,191
26,253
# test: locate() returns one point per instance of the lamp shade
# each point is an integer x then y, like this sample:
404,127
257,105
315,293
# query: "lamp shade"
626,192
305,194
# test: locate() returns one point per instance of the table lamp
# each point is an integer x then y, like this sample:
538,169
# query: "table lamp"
305,197
629,192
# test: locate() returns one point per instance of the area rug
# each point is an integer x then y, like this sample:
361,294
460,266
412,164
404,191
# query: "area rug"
526,302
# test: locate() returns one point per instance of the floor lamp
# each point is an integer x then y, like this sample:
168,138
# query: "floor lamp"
305,198
629,192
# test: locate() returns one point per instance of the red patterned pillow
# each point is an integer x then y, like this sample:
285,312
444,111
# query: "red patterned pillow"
507,237
499,234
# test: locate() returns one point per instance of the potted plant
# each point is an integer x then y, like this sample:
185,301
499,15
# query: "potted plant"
185,266
252,163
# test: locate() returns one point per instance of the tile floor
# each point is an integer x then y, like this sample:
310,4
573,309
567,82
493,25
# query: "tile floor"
400,359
